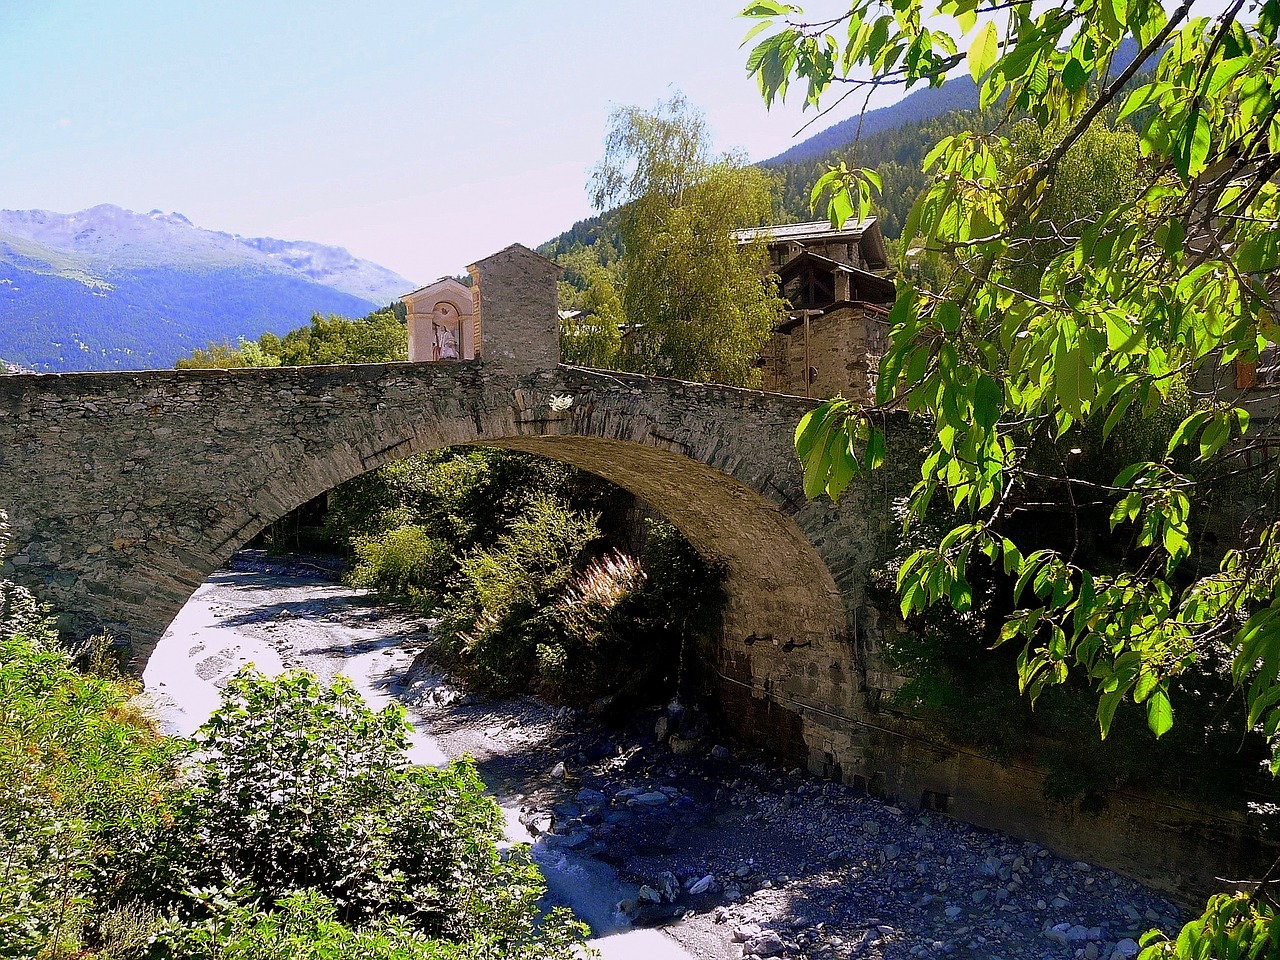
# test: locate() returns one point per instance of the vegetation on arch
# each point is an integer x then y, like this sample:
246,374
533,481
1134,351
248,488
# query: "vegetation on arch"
1051,336
533,579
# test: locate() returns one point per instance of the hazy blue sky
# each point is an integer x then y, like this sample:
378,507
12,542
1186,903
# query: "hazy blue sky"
421,135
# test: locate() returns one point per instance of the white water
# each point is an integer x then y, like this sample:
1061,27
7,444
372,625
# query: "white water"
227,623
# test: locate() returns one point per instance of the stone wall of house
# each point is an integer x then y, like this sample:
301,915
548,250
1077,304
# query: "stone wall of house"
845,347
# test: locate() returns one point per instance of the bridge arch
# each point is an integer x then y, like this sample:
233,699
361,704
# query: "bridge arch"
125,491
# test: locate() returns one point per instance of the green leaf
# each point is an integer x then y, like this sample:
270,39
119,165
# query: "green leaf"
987,397
1074,75
1191,145
875,449
1159,712
1072,379
840,207
809,429
1215,435
843,469
1147,682
1260,254
1107,705
767,8
818,463
983,51
1183,434
1122,336
1261,701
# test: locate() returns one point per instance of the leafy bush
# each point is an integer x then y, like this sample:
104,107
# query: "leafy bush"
305,926
592,620
84,776
500,609
465,498
403,562
297,785
622,627
958,677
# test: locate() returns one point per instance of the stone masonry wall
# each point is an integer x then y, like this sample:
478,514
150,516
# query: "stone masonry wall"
845,347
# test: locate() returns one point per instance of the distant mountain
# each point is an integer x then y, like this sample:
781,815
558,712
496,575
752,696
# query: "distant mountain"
108,288
893,140
958,93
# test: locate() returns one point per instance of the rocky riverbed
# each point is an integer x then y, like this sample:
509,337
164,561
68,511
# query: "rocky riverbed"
669,842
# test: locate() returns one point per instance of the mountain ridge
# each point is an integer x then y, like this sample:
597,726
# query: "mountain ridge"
112,236
107,288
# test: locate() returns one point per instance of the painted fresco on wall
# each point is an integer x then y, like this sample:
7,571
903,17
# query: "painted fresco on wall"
445,333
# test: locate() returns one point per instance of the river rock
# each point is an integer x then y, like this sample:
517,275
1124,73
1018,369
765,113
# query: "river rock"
559,771
705,884
654,798
767,944
668,886
1058,933
1126,949
648,894
684,746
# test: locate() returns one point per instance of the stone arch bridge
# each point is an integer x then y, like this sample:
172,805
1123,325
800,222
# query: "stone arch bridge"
125,491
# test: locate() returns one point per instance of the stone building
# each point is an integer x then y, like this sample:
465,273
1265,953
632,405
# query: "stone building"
835,280
443,322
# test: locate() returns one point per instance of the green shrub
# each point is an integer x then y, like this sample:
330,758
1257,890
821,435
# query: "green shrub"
298,785
305,926
592,617
404,562
464,497
624,627
84,776
291,786
544,609
502,604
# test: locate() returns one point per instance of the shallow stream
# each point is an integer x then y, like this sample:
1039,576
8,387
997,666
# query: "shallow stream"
279,616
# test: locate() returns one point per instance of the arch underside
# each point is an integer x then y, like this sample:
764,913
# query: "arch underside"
778,587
